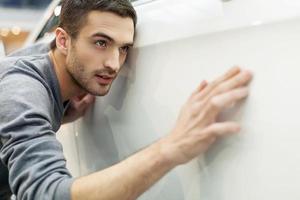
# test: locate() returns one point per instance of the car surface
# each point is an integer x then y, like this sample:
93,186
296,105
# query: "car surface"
2,50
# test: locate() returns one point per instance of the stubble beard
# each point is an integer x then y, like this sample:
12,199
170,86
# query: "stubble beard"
78,74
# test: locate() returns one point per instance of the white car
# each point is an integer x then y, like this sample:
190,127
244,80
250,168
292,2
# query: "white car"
2,49
180,43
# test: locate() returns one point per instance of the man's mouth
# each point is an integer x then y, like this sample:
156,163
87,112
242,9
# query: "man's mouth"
104,79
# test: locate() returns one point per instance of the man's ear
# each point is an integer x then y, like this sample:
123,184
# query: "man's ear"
62,40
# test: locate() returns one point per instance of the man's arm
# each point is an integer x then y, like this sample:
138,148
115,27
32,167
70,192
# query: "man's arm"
126,180
30,151
196,129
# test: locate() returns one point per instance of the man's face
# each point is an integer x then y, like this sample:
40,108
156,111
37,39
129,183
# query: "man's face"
100,49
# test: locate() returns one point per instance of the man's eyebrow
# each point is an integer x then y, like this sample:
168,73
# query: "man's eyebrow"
103,35
99,34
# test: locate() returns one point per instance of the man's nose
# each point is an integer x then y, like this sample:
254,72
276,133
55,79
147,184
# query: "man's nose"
113,60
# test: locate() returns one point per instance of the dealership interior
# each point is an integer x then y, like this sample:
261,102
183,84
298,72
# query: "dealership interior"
17,19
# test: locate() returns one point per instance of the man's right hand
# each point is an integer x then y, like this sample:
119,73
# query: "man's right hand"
196,128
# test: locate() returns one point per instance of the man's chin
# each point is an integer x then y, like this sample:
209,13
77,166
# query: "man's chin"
103,93
100,91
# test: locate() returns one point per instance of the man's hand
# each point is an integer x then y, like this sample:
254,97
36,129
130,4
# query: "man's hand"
77,107
196,128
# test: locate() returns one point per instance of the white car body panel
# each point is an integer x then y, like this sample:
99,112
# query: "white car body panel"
259,163
2,50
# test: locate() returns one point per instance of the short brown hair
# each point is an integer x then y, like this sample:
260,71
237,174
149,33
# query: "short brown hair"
74,13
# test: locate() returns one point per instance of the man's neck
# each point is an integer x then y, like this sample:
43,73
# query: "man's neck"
68,87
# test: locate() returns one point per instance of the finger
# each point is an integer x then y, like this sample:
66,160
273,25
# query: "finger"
240,80
88,99
237,81
222,129
82,104
80,97
85,102
223,101
202,86
228,75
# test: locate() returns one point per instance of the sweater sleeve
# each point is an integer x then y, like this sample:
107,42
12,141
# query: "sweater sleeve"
33,155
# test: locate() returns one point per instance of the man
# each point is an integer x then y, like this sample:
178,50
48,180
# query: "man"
91,45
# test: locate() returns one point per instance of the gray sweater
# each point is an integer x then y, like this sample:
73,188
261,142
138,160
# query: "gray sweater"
31,110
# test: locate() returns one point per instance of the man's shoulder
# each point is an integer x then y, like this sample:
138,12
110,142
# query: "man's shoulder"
24,64
35,49
31,55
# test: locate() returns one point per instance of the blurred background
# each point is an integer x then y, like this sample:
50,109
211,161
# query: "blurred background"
17,19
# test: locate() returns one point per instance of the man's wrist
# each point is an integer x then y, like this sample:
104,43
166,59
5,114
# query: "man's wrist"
167,152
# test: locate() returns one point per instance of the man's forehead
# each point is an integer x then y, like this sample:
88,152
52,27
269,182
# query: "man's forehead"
120,29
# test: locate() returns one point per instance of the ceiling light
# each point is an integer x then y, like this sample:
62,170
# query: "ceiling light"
4,32
57,11
16,30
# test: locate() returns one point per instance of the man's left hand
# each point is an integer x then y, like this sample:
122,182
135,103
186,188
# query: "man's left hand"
77,107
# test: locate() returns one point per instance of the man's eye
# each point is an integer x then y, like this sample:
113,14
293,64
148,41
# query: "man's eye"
124,49
101,43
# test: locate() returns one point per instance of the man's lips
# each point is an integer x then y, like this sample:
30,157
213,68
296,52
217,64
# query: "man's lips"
104,79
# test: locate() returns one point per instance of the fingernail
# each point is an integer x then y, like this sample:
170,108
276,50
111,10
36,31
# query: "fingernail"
236,68
249,72
238,129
